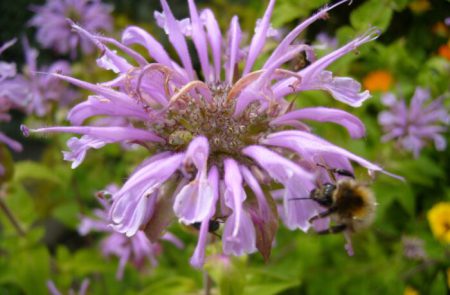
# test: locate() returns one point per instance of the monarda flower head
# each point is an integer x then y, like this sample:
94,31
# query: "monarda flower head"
32,92
222,137
413,127
7,72
54,32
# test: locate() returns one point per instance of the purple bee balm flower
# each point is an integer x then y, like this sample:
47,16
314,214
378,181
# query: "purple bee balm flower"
32,91
53,30
224,139
7,72
13,87
136,249
45,89
414,126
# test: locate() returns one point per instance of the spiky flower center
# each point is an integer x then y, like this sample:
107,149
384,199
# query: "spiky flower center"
190,116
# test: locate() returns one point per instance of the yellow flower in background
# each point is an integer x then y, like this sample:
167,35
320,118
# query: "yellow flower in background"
420,6
410,291
439,219
380,80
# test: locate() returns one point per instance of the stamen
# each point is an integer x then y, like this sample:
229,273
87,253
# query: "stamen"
186,88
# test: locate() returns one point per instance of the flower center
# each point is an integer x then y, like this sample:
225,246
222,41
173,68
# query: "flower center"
190,116
73,14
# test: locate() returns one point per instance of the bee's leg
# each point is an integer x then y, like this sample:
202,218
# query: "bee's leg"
343,172
329,171
333,229
217,235
323,214
338,171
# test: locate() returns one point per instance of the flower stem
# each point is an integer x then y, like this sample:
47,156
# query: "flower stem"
11,217
207,282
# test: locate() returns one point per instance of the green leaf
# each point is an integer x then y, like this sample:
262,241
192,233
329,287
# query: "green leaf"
371,13
387,190
32,268
169,285
33,170
270,288
289,10
228,273
68,213
421,171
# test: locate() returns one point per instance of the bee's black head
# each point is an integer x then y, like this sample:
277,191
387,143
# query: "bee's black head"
324,194
213,225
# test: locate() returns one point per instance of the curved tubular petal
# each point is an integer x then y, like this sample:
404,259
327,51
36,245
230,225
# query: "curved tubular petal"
123,260
169,75
95,106
113,134
328,59
79,147
133,205
136,35
135,55
215,40
296,31
198,258
119,64
84,286
199,38
234,193
239,238
7,44
258,192
290,53
178,41
352,123
193,202
52,288
197,153
157,95
14,145
235,39
277,166
315,77
156,167
259,38
300,142
100,90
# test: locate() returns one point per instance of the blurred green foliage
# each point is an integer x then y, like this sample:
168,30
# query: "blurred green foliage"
47,197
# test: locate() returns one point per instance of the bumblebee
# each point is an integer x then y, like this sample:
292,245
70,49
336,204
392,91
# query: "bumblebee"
213,226
350,204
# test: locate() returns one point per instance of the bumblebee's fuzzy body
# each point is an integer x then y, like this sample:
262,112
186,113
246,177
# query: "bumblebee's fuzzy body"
350,205
355,205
